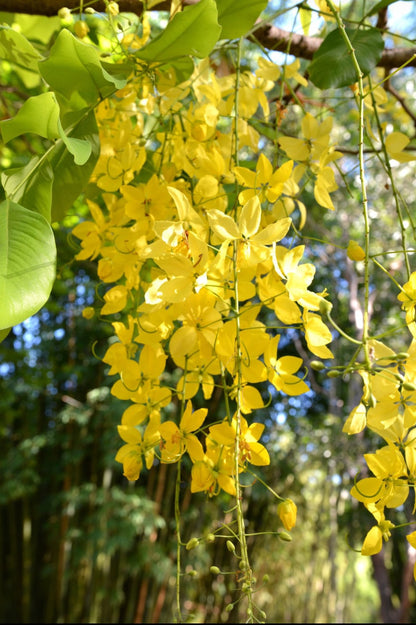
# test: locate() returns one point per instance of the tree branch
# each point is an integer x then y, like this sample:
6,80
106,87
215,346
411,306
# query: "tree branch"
271,37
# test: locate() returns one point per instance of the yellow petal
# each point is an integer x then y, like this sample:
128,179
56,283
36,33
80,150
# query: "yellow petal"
356,421
373,542
368,490
129,434
223,225
250,217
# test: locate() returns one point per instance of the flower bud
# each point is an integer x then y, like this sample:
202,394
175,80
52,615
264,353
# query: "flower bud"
64,13
229,607
409,386
81,29
334,373
210,538
112,9
285,537
230,546
317,365
214,570
191,544
287,511
355,251
88,312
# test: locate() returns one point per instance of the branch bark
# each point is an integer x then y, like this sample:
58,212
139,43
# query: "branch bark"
269,36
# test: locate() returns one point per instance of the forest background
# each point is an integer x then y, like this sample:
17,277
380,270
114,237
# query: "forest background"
78,541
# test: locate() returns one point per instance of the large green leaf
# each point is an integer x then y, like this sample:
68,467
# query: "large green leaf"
39,114
27,263
16,49
74,70
237,16
194,31
332,65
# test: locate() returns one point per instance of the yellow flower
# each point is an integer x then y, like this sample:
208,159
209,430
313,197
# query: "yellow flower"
281,371
408,297
264,183
250,449
177,440
137,448
253,242
213,473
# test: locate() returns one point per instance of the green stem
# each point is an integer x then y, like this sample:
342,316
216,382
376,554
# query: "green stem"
178,542
247,585
364,199
269,488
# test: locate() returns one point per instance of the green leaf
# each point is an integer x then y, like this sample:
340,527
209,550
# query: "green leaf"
39,114
37,27
27,263
332,65
16,49
179,70
74,70
50,184
70,179
79,148
31,185
237,16
194,31
380,5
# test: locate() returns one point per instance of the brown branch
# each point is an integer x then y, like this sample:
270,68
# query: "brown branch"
271,37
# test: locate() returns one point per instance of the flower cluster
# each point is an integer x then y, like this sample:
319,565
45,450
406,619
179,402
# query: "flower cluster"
388,408
196,246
